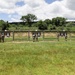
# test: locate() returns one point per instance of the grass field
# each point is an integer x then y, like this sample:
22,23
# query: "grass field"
37,58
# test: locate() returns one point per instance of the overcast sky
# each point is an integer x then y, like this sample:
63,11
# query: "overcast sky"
12,10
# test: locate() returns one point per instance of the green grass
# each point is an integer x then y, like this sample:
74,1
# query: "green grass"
37,58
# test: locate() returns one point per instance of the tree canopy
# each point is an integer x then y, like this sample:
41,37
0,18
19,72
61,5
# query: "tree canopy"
42,25
59,21
3,25
29,18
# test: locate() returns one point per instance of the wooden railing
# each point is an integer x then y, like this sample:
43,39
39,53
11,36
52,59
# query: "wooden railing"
43,36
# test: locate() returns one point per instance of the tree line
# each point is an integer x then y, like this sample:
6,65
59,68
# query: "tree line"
30,20
44,25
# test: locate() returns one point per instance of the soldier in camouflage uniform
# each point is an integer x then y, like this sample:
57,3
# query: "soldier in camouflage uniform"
63,33
34,36
2,37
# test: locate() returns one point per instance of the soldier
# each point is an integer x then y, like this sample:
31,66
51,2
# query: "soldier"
34,36
62,34
2,37
65,36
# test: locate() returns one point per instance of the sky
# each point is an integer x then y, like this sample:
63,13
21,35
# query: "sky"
13,10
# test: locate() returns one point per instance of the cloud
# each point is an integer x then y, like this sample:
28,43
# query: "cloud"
43,10
35,3
70,4
14,17
8,6
40,8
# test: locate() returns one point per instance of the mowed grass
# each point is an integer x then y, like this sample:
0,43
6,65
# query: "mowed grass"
37,58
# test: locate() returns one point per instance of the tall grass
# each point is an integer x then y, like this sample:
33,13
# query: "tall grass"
37,58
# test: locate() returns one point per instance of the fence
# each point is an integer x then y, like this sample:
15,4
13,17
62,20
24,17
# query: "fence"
45,35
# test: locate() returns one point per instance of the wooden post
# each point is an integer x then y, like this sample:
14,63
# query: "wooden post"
13,35
43,35
69,35
28,35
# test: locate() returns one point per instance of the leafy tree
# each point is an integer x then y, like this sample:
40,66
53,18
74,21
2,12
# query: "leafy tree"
48,21
3,25
42,25
52,27
70,24
59,21
53,21
29,18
